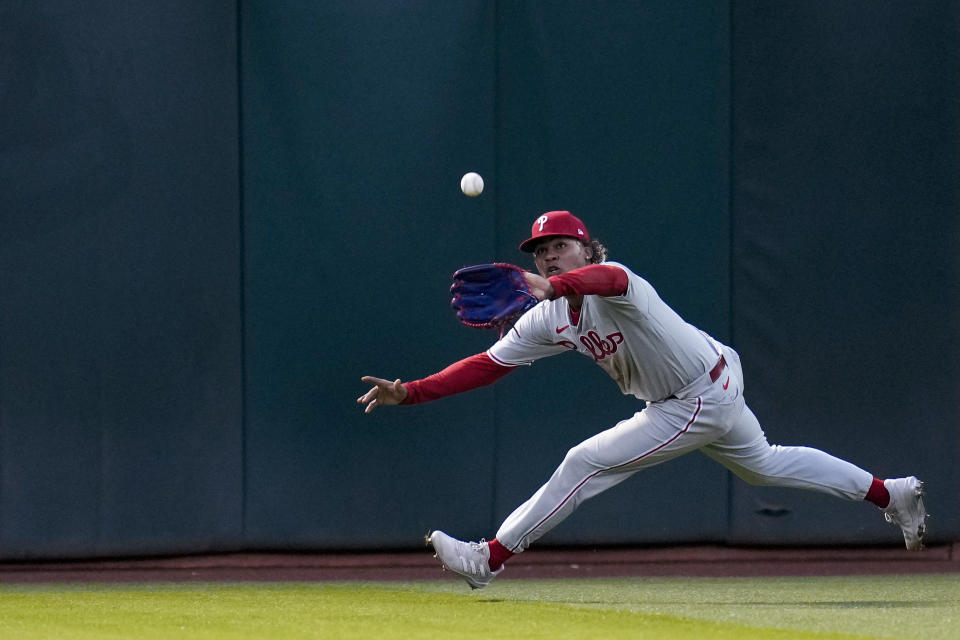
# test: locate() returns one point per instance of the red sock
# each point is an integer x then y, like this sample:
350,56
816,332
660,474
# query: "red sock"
878,494
498,554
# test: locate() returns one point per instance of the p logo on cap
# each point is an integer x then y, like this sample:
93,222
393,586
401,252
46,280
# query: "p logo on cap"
555,223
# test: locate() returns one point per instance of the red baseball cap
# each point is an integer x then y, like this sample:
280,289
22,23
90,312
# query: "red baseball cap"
555,223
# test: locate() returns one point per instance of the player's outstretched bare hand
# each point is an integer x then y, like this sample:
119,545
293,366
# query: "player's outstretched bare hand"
383,393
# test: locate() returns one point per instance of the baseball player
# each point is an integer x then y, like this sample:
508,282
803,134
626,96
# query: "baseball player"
691,383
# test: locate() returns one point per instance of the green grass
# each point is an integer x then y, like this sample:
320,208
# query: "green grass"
914,607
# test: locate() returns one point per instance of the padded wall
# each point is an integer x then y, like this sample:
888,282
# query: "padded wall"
360,120
846,242
214,223
621,116
120,385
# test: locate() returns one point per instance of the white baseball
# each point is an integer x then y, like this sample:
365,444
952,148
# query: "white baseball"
471,184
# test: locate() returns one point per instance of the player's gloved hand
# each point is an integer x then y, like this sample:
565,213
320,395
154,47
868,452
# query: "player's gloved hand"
491,295
383,393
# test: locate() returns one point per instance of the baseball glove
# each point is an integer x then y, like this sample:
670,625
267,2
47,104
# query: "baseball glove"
491,296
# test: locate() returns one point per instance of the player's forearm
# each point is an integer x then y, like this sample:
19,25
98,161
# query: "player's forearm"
469,373
591,280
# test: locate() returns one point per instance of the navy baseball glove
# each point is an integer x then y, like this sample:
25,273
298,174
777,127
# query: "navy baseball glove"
491,296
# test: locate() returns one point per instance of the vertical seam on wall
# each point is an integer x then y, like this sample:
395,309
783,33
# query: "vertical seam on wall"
242,280
730,223
498,222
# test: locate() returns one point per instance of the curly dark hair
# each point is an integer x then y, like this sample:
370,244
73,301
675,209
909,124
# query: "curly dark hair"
599,251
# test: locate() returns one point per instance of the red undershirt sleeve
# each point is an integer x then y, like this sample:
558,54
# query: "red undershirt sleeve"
591,280
469,373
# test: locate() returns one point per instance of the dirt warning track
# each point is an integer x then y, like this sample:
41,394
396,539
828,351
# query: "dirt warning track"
702,561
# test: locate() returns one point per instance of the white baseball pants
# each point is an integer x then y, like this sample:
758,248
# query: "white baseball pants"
710,416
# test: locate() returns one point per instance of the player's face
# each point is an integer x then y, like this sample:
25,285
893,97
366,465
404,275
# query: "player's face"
559,254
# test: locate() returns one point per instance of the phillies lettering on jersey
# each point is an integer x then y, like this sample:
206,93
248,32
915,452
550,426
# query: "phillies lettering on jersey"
601,348
598,347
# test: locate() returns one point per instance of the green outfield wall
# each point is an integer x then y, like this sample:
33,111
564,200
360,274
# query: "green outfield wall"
216,219
120,301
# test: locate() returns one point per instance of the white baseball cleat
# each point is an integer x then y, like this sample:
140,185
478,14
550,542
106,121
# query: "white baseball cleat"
471,560
906,509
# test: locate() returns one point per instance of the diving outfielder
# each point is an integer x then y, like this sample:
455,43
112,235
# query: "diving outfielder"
692,385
